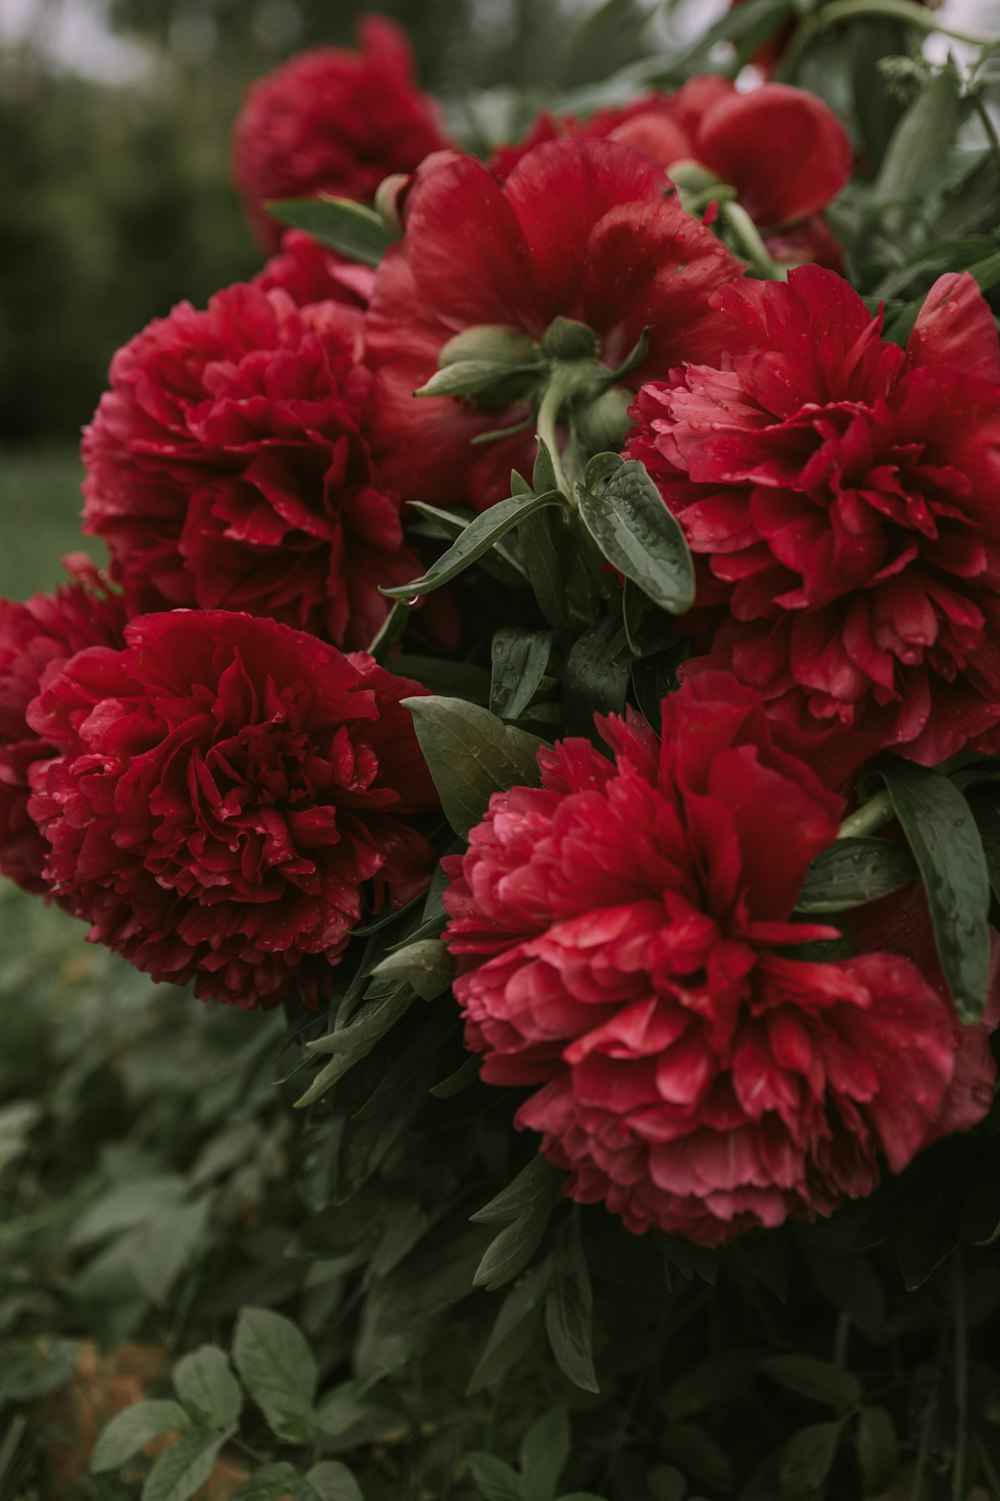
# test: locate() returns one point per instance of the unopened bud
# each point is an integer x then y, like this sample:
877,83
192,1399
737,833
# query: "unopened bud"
565,339
691,177
495,342
601,425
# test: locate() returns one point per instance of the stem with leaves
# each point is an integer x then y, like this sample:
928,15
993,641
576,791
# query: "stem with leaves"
907,11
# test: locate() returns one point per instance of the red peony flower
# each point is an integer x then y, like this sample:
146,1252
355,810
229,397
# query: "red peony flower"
229,467
619,933
842,494
229,798
581,230
309,272
44,630
332,121
782,149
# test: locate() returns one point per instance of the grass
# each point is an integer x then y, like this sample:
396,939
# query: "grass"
39,518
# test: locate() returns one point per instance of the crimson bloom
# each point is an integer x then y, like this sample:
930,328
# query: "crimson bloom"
842,495
229,797
309,272
44,631
783,150
332,121
229,466
581,230
619,935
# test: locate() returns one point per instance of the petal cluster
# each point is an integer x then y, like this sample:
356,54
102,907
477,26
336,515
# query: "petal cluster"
229,466
332,121
36,639
841,493
228,797
624,940
587,230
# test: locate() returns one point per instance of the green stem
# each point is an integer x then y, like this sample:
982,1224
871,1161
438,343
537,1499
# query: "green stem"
841,1335
548,416
961,1377
736,218
870,816
895,10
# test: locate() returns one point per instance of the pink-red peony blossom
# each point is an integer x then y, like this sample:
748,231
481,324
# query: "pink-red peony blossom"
229,466
45,630
621,937
841,494
580,230
783,150
309,272
229,798
332,121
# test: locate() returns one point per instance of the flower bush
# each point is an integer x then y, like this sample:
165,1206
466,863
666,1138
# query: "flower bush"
547,661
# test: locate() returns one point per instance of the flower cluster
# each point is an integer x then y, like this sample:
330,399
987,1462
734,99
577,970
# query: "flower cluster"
631,335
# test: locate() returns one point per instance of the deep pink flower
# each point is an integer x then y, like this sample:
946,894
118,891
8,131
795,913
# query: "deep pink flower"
229,466
46,629
619,935
841,493
582,230
229,798
332,121
782,149
309,272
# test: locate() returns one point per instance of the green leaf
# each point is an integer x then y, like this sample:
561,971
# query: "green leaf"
495,1479
350,1043
472,377
477,538
807,1459
877,1450
272,1483
985,804
425,965
544,1454
470,754
126,1205
207,1387
942,834
919,143
527,1202
334,1482
185,1466
543,541
853,872
513,1333
631,524
130,1430
817,1380
569,1310
159,1251
463,1076
351,228
519,659
277,1368
666,1483
596,676
10,1443
501,562
439,675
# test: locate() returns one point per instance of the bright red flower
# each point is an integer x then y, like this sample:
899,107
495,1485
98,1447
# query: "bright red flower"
46,629
580,229
842,494
309,272
782,149
229,466
332,121
230,797
619,933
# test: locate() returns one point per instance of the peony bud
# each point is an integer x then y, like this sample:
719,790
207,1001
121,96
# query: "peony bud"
601,425
494,342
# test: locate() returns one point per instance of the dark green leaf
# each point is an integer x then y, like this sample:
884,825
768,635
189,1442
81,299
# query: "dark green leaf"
474,377
853,872
10,1443
130,1430
707,1386
807,1459
639,536
544,1454
459,1080
543,541
477,538
425,965
666,1484
920,141
350,1043
159,1251
185,1466
501,562
942,834
817,1380
878,110
696,1452
513,1333
470,754
272,1483
495,1479
332,1481
569,1310
519,659
878,1454
351,228
596,676
207,1387
439,675
527,1203
647,629
278,1369
403,1312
